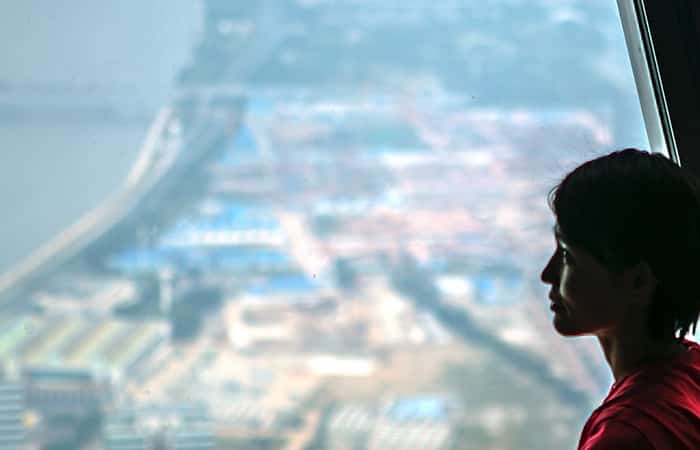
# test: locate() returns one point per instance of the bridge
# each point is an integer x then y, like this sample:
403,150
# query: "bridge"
161,153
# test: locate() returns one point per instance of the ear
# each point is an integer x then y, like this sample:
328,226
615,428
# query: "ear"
641,282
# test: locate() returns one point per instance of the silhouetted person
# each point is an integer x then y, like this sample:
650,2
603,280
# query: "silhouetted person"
626,269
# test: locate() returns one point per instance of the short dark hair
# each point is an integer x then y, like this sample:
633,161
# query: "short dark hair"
631,206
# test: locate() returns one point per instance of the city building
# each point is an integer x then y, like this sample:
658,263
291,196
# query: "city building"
422,422
13,434
159,427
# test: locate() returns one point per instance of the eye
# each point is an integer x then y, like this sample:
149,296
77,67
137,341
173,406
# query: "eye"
565,256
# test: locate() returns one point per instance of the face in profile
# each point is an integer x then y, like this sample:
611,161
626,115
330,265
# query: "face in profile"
586,297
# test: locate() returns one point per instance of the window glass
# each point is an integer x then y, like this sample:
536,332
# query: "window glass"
296,224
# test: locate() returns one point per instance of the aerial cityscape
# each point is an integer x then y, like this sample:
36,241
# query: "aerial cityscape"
331,239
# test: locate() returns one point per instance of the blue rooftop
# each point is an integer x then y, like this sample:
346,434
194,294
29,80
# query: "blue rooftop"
250,258
260,106
242,148
278,285
497,290
244,141
423,408
140,260
238,259
230,218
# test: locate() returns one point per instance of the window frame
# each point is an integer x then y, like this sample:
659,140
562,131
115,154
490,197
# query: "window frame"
663,42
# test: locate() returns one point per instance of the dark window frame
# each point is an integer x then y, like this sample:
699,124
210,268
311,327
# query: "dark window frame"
663,41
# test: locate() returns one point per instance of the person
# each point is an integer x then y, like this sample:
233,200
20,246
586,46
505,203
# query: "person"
625,269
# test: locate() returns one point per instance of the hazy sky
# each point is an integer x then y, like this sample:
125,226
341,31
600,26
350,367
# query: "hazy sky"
129,42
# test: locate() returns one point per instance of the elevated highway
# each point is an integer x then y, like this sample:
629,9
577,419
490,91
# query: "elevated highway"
164,151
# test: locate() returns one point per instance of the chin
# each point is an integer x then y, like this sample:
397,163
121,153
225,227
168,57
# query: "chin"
566,329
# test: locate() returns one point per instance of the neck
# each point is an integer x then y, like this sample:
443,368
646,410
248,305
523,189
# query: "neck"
628,352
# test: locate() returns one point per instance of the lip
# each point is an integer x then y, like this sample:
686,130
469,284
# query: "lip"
555,307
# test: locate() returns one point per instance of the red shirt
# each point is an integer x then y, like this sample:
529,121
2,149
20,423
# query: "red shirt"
654,408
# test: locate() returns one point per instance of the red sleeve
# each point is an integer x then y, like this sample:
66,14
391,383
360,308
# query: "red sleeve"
615,435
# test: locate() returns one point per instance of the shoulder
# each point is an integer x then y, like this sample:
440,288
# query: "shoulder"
614,434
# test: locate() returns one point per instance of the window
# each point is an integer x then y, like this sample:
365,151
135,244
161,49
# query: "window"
298,224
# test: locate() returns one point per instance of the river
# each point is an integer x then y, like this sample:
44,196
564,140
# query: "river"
54,169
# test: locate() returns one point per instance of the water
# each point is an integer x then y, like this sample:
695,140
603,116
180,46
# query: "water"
54,169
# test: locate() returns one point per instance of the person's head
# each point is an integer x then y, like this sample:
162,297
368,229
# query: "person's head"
628,247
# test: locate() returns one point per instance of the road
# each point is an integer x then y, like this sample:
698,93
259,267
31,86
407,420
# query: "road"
303,246
156,156
298,440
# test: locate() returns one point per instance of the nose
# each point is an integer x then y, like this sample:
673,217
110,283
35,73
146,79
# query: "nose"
548,275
